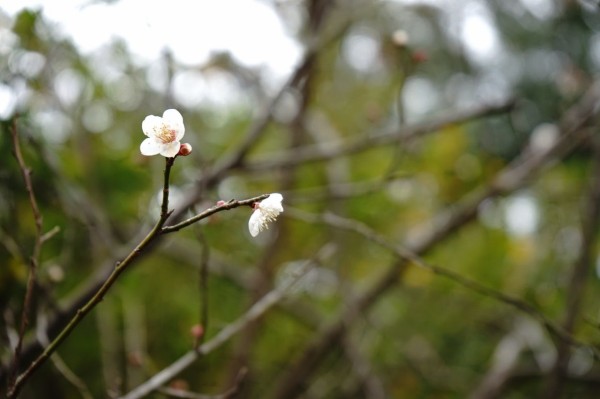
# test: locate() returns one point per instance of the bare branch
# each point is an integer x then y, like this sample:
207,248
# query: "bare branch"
325,151
35,256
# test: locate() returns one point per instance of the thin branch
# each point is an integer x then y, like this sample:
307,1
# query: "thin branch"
211,211
404,135
230,393
164,208
33,260
406,255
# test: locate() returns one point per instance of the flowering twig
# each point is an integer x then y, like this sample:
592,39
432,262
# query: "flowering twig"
211,211
91,303
119,268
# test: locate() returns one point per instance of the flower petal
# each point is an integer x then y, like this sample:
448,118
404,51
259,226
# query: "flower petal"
169,150
174,120
255,222
150,147
151,125
273,202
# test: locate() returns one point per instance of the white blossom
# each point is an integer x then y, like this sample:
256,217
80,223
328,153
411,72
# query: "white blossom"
164,134
265,212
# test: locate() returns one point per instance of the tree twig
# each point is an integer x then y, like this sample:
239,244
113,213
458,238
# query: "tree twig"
34,258
211,211
403,135
407,255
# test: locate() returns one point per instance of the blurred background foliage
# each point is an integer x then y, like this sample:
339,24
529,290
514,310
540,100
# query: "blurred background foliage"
380,67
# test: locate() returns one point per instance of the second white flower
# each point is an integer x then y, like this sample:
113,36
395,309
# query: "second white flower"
264,213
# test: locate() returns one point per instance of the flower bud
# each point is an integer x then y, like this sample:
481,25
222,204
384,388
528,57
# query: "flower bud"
220,203
185,149
400,38
419,56
197,331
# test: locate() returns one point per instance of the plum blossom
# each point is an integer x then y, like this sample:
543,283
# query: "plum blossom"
265,212
164,134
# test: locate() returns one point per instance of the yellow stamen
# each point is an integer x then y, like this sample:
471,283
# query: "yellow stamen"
166,135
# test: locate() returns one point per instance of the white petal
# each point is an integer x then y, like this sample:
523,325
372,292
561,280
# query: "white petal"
169,150
273,202
174,120
150,147
255,223
151,125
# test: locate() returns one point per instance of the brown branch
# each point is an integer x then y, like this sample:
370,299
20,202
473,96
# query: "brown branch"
35,256
325,151
211,211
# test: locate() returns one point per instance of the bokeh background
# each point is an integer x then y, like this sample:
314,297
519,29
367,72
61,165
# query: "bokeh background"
439,167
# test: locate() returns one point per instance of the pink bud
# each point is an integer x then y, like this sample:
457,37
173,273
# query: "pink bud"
419,56
197,331
220,202
185,149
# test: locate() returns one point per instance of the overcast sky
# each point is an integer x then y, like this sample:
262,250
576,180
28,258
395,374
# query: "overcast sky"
249,29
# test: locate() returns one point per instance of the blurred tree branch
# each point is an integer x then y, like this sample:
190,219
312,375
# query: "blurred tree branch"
34,259
327,151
